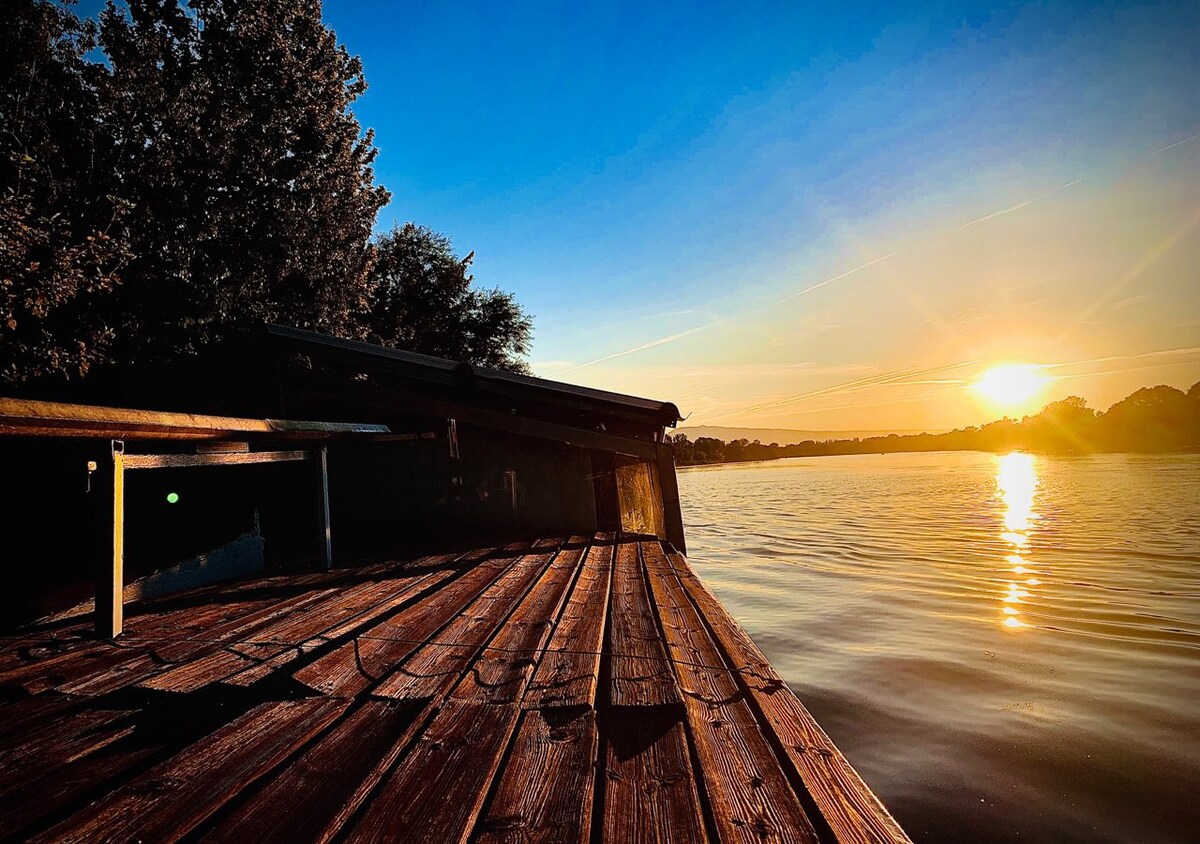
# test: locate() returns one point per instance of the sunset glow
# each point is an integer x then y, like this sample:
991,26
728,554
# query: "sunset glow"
1011,385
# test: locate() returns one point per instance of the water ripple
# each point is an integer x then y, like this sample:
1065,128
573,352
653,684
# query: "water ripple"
1005,645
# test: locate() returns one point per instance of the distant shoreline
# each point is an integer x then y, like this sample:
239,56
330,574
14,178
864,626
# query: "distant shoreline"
1152,420
681,466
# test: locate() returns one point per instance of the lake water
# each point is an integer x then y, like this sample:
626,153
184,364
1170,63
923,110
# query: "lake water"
1006,647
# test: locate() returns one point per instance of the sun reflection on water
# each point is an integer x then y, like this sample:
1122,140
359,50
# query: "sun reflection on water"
1017,483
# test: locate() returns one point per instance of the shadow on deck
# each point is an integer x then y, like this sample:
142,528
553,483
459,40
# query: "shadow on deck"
572,689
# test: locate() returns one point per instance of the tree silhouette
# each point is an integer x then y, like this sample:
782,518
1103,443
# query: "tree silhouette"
423,300
61,249
1153,419
250,177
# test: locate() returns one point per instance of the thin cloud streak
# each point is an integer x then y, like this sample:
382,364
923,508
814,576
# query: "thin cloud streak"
894,377
662,341
1018,206
1187,350
1176,144
831,280
838,277
680,335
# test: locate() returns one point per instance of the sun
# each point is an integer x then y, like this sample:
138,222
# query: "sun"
1011,384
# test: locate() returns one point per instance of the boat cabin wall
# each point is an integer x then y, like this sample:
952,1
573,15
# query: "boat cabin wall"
409,495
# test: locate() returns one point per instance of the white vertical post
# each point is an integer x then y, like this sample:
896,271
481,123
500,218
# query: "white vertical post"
322,459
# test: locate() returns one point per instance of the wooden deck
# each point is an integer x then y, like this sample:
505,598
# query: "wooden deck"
574,689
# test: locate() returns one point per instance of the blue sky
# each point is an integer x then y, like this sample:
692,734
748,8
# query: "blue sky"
666,188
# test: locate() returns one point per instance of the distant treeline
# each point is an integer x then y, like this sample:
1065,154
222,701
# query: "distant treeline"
1153,419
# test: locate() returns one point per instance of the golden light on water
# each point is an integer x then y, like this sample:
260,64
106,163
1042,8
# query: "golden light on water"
1011,385
1016,485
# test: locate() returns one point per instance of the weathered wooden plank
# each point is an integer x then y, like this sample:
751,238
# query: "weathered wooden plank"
19,718
285,656
649,789
317,794
238,628
546,789
847,804
436,666
500,673
91,763
641,674
284,635
134,659
111,677
82,661
54,743
438,789
45,799
241,458
357,665
174,797
569,670
100,668
748,794
28,417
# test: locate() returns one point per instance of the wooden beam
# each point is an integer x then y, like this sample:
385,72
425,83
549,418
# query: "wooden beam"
322,460
669,484
110,573
182,461
22,417
396,401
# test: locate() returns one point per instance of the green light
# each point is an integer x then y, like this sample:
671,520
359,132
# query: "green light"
172,497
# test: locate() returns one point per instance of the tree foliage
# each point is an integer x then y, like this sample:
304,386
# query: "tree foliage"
424,301
206,176
61,244
250,176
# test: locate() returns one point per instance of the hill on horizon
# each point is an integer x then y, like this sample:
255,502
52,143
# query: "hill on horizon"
783,436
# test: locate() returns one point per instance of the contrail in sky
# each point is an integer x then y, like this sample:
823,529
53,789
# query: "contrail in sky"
1176,144
680,335
1187,350
838,277
1018,206
899,375
659,342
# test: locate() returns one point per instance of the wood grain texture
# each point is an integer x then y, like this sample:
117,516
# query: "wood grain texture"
569,669
54,743
18,718
500,672
108,668
38,800
437,791
101,668
284,634
315,795
546,788
848,806
749,796
641,674
63,666
282,658
649,789
497,731
168,801
359,664
436,667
